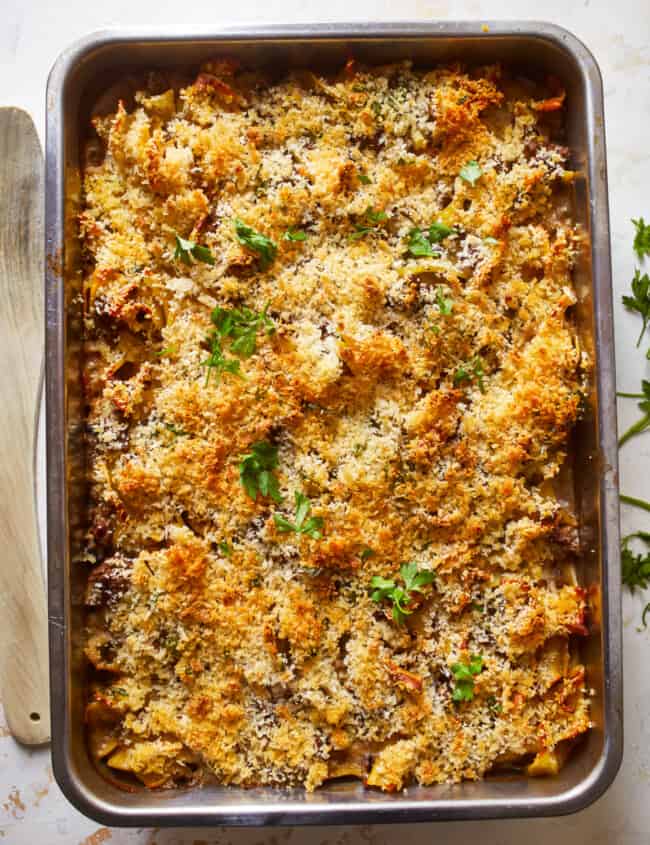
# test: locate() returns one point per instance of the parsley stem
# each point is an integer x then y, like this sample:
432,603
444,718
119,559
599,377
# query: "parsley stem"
637,428
637,503
630,395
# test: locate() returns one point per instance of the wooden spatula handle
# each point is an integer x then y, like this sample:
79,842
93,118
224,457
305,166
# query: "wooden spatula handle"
23,614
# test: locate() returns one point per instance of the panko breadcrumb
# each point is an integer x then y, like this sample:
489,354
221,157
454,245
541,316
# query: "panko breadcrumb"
402,243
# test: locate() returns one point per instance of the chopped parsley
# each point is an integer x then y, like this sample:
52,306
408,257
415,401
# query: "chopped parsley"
387,588
187,250
294,235
471,172
265,248
256,471
217,363
242,326
364,178
312,526
445,305
464,674
470,371
421,242
640,299
366,553
167,352
641,238
372,220
225,548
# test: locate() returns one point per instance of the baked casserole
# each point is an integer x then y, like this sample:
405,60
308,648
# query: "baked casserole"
331,373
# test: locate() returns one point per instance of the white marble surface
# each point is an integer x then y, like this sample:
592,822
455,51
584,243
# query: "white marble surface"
32,33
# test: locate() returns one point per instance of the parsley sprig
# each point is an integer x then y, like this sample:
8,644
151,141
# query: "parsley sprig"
311,526
186,251
464,674
635,568
256,471
387,588
265,248
641,238
640,299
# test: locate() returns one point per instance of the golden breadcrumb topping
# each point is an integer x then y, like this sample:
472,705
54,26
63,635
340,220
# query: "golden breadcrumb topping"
331,371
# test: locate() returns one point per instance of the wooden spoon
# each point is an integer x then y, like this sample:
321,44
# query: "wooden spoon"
23,615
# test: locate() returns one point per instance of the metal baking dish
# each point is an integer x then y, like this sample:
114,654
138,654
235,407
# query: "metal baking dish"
78,78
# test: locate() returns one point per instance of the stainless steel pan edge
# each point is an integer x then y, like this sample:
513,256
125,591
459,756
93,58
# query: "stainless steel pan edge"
593,767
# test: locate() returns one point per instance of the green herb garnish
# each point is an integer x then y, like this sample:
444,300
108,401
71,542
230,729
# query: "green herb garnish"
635,568
469,371
373,219
366,553
187,250
256,471
301,525
444,304
225,548
386,588
641,238
294,235
464,674
217,363
471,172
364,179
265,248
643,423
166,352
640,299
242,325
421,242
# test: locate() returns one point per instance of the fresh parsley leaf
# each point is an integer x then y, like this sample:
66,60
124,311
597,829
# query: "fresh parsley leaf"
364,178
375,216
464,674
469,371
635,568
385,588
640,299
187,250
265,248
242,325
217,363
360,232
641,238
301,525
420,246
256,471
438,232
373,219
295,235
471,172
445,305
225,548
644,422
